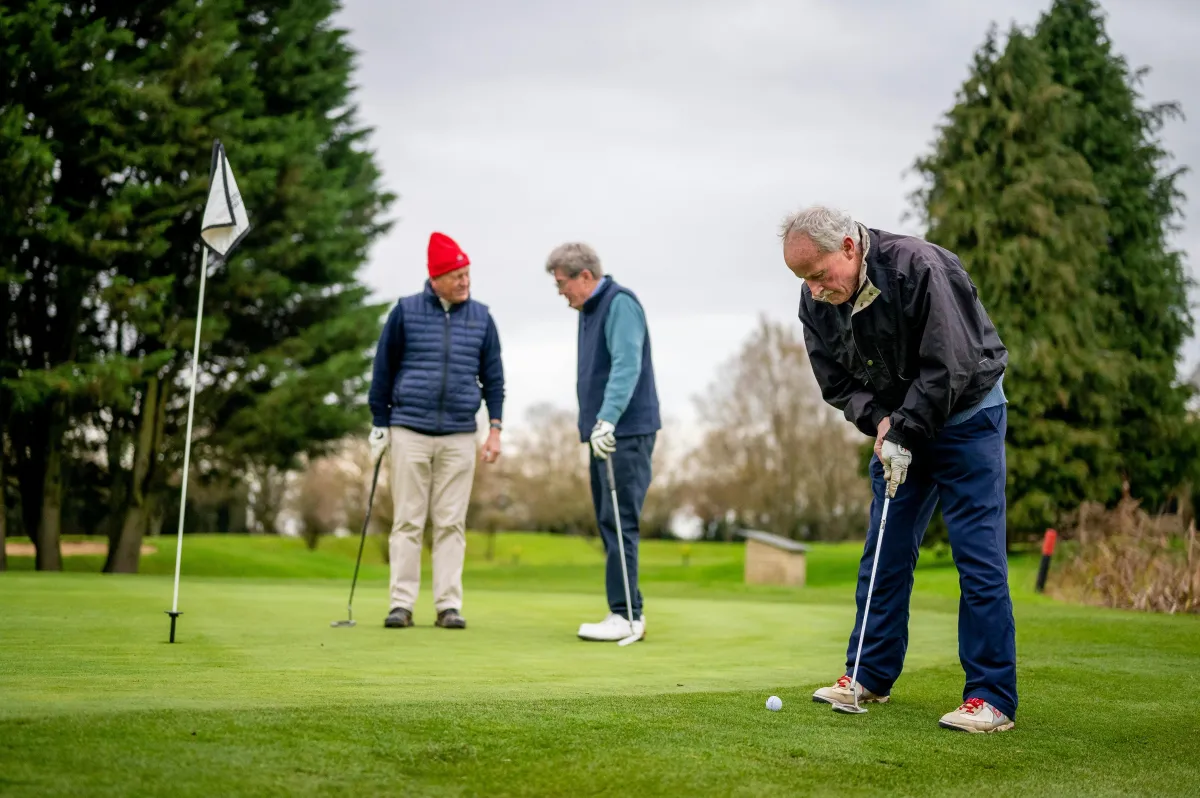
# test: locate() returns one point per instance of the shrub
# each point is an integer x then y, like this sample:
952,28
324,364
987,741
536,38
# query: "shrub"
1125,558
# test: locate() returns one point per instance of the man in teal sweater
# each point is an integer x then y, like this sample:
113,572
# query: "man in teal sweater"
618,418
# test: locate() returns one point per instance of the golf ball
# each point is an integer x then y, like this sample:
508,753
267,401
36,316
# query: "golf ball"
774,704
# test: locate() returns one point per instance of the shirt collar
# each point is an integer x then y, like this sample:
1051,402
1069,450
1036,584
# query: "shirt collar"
867,291
599,285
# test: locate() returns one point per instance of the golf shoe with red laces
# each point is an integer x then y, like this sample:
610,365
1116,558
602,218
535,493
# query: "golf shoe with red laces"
839,693
976,716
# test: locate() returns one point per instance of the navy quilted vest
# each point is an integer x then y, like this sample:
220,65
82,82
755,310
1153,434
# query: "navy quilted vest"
437,388
641,417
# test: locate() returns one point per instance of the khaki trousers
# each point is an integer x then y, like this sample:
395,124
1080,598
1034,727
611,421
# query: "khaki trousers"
431,478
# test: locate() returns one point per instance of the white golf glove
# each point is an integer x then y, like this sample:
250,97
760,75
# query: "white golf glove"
604,440
895,460
378,441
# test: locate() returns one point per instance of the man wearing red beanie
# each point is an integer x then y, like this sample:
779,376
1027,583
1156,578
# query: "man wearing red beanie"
437,360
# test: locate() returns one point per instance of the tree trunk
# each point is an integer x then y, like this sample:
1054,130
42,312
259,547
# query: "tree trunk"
31,442
123,559
124,555
3,512
118,434
49,550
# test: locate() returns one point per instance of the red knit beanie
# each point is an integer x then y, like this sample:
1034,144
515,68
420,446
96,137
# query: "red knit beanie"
445,255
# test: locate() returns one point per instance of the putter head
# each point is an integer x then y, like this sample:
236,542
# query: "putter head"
849,709
627,640
341,623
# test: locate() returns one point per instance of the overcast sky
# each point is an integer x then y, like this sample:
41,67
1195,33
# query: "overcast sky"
673,137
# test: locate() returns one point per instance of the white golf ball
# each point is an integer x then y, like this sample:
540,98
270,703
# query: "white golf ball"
774,704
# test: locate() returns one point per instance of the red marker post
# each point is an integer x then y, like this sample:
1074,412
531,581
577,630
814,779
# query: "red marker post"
1047,552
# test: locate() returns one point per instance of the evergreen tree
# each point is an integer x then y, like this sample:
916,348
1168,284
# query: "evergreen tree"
286,332
65,216
311,331
1143,276
106,129
1005,190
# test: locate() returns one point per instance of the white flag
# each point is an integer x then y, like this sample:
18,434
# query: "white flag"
225,221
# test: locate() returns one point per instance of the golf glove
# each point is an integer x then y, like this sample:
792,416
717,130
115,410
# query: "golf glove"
895,459
378,441
604,440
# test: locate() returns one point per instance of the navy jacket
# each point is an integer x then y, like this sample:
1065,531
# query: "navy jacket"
641,416
433,367
914,343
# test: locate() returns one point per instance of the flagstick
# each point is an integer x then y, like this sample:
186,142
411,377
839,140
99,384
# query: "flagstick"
187,446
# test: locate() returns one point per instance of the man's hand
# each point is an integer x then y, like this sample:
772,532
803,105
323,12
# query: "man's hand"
378,441
604,440
491,447
884,426
896,460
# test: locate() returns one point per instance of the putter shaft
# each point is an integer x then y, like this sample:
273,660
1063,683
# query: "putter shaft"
361,542
612,485
862,631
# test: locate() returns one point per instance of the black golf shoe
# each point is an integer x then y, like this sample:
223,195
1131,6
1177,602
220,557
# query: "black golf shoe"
398,618
450,619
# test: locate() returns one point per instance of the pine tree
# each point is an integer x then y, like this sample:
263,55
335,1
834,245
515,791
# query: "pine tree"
1006,192
65,216
286,332
106,130
314,223
1146,279
185,58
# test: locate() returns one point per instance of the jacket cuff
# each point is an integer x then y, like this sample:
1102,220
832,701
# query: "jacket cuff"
380,421
878,414
896,436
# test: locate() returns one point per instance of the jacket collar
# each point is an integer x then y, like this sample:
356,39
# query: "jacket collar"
867,292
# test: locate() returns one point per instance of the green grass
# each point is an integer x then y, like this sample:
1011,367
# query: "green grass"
262,697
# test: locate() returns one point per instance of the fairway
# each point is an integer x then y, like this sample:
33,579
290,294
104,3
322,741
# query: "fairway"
262,697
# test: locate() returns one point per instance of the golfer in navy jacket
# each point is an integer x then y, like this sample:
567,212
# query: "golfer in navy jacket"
438,358
618,417
899,341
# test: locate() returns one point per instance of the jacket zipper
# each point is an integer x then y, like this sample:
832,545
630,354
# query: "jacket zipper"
445,369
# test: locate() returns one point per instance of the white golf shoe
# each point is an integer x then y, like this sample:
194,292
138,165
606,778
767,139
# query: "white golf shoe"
613,628
839,693
976,716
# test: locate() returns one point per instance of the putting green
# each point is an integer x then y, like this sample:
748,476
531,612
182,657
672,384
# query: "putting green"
262,696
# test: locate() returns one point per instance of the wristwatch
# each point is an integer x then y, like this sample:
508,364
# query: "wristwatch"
495,425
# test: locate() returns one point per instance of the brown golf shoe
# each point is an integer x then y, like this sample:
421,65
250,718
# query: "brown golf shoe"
398,618
450,619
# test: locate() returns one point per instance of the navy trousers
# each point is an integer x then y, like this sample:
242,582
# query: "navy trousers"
964,469
631,466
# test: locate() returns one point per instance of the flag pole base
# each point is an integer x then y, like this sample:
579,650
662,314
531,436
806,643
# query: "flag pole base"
174,614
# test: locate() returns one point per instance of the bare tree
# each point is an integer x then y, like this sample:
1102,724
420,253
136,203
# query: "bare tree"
775,455
550,488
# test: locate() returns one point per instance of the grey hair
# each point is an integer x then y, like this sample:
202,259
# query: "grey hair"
573,257
827,227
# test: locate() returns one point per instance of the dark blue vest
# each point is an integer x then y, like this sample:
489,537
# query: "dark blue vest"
437,385
641,417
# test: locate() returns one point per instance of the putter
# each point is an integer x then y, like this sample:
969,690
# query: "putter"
612,486
856,708
370,500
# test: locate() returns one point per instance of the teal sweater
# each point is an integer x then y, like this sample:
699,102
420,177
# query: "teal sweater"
624,332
